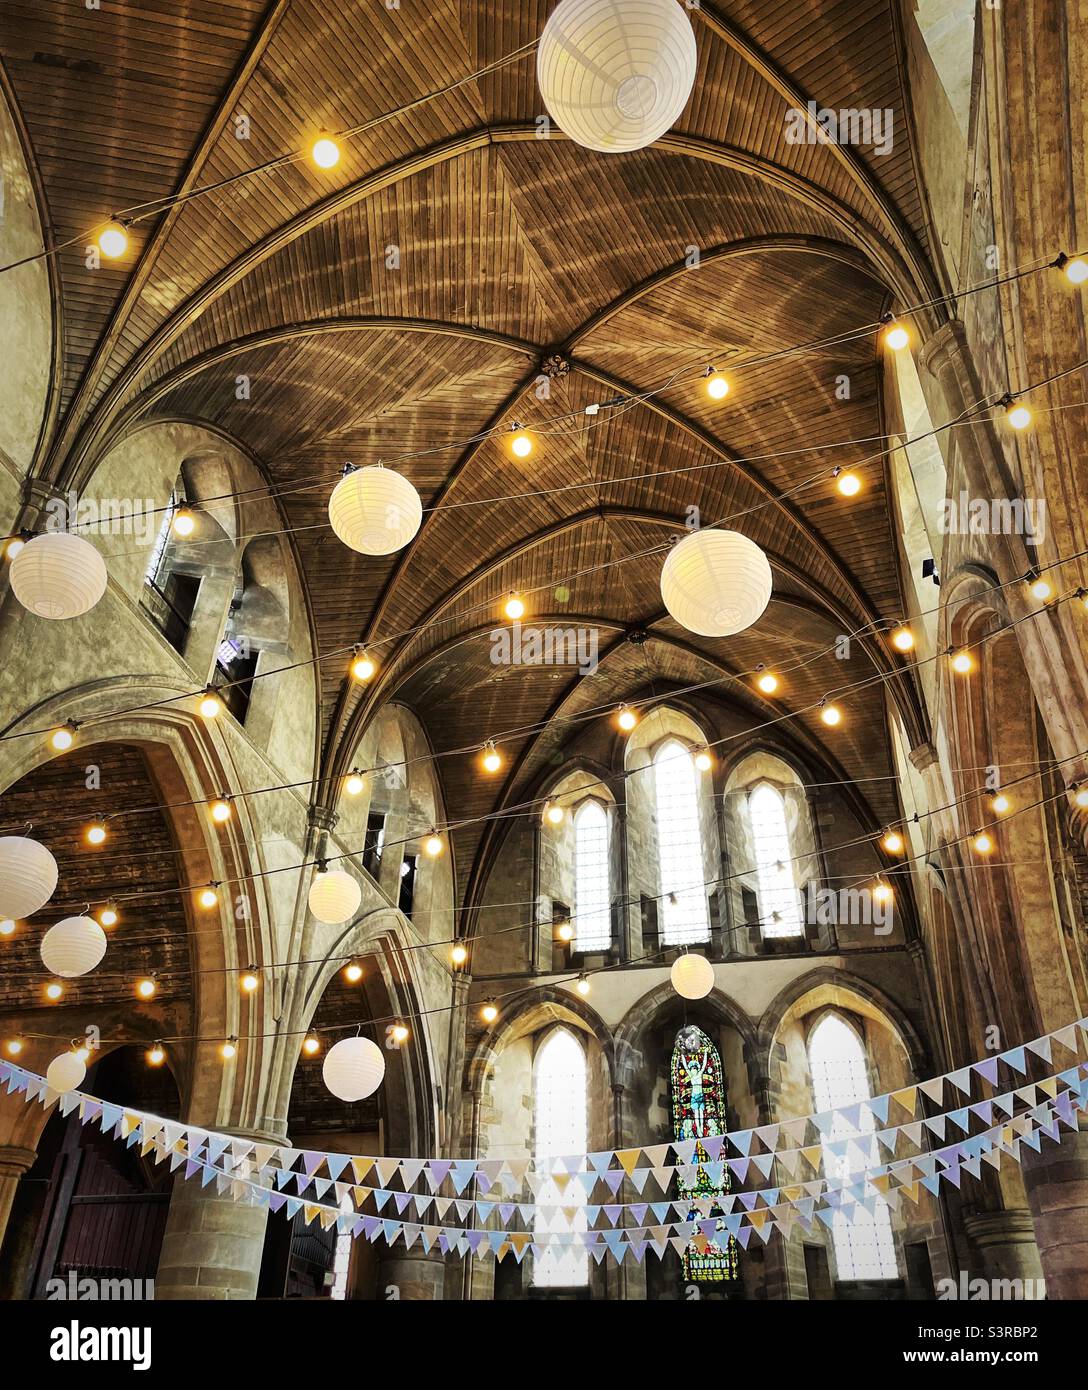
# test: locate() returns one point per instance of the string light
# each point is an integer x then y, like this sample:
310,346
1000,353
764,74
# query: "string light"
849,484
491,760
896,336
146,988
963,663
354,783
311,1046
13,1047
363,665
249,980
1080,796
882,893
184,523
768,682
7,927
565,931
353,972
892,842
434,844
221,810
626,718
1017,413
1074,267
1040,587
703,761
62,739
553,813
1001,804
514,607
717,384
982,844
902,639
325,153
95,834
582,986
108,916
229,1048
156,1055
490,1011
211,706
113,239
54,991
208,898
521,442
13,547
831,715
458,954
399,1032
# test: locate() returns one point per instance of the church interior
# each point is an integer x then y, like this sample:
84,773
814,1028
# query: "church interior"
544,612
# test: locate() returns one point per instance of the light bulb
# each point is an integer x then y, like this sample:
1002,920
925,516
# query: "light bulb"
325,153
491,759
229,1049
983,844
220,811
7,927
903,639
13,1047
83,1053
211,706
96,834
433,844
399,1033
882,893
13,547
849,484
109,916
1001,803
514,608
1018,415
565,931
1080,796
717,386
554,814
354,784
896,337
249,982
831,715
146,989
54,991
521,443
1076,269
626,718
63,738
703,761
963,663
311,1046
768,682
353,972
208,898
155,1056
892,842
490,1011
113,240
184,522
1041,589
459,954
582,986
362,665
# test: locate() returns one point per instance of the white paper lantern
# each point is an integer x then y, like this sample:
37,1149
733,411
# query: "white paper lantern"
66,1072
716,583
334,896
616,74
58,575
73,947
692,976
28,876
375,511
353,1068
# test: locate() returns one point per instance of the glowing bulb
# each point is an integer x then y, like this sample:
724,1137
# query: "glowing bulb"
108,917
1076,270
354,784
1080,796
363,666
983,844
229,1050
325,153
1041,589
893,842
13,1047
514,608
490,1011
14,546
63,738
211,706
208,898
249,982
184,522
1001,803
963,663
831,715
554,814
491,760
1018,415
311,1046
353,973
626,718
146,989
156,1056
54,991
399,1033
96,834
459,954
768,682
703,761
849,484
565,931
220,811
582,986
433,844
903,639
896,337
717,386
83,1053
521,444
113,240
882,893
7,927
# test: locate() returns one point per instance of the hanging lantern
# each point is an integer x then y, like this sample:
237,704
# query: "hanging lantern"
28,876
375,511
615,76
334,896
716,583
692,976
353,1068
58,575
73,947
66,1072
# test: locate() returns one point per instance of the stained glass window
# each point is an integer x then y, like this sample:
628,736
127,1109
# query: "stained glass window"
559,1111
592,919
680,853
779,901
698,1112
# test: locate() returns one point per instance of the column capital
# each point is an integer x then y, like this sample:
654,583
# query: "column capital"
942,347
15,1160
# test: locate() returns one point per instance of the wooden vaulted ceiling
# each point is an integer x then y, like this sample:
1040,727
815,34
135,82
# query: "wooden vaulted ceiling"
512,250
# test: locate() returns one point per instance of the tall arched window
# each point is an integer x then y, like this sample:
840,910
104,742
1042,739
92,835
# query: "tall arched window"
680,847
592,919
559,1113
779,901
864,1247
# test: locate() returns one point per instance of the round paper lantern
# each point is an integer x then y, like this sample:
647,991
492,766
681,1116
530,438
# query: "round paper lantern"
58,575
66,1072
716,583
692,976
375,511
28,876
616,74
73,947
353,1068
334,896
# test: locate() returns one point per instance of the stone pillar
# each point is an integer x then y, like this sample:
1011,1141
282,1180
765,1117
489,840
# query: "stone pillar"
413,1274
14,1162
1004,1243
1057,1186
212,1246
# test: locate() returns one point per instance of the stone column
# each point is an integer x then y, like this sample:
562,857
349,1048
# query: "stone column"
1004,1242
413,1274
1057,1186
212,1247
14,1162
